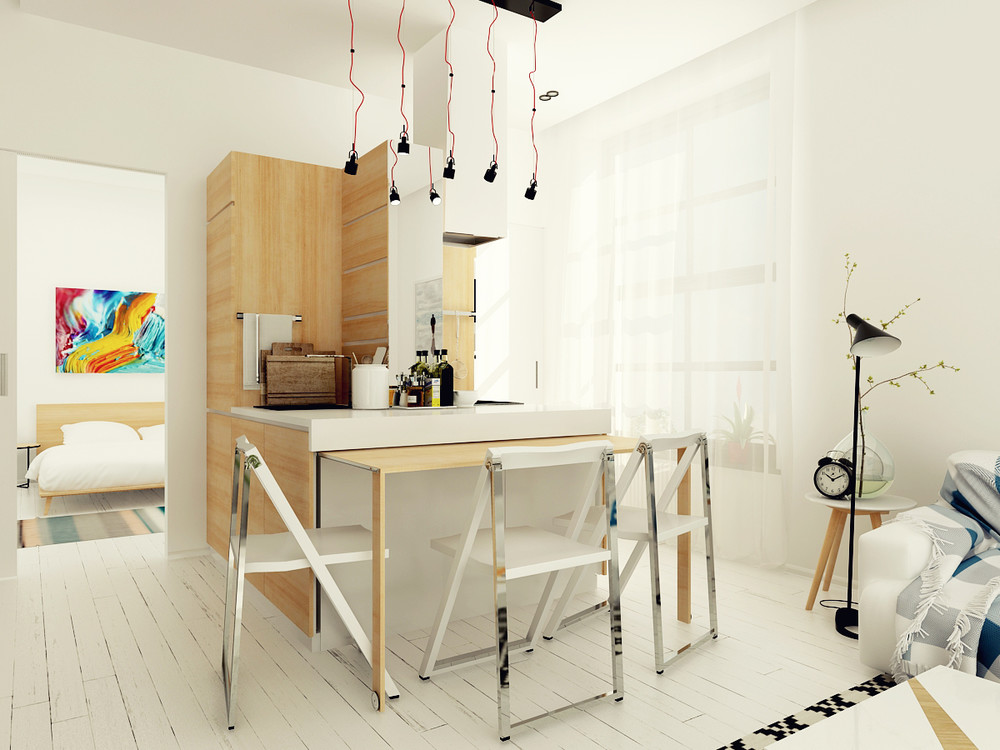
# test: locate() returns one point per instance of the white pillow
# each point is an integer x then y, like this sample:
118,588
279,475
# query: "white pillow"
81,433
153,432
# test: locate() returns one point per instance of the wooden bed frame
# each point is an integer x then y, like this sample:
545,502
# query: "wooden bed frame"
49,418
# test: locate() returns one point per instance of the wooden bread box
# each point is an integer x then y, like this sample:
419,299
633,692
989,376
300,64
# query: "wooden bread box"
292,373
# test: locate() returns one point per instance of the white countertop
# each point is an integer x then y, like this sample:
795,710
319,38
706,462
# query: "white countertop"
346,429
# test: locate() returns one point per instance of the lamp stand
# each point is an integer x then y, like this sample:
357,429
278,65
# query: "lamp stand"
846,619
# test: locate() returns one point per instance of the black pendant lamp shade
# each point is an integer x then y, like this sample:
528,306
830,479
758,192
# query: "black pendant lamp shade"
393,196
351,167
531,191
435,198
491,172
870,340
449,169
403,147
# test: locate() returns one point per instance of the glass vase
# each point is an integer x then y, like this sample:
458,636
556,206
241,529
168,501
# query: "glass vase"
877,470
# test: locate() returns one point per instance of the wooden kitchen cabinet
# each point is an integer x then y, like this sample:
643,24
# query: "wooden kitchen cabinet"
273,246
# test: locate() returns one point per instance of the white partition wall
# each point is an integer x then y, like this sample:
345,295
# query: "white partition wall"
8,346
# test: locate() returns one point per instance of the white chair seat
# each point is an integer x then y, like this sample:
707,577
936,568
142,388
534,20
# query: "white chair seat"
632,523
530,551
278,553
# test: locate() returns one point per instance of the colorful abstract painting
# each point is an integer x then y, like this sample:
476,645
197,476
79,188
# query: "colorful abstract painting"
101,330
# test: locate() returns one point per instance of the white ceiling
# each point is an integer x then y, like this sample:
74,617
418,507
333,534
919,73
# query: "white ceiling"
591,51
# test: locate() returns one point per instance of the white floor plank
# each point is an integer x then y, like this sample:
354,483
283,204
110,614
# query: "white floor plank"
31,728
109,720
73,734
5,714
8,624
66,696
91,648
31,683
181,706
149,721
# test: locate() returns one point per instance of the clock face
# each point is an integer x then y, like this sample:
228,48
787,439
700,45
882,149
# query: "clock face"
832,479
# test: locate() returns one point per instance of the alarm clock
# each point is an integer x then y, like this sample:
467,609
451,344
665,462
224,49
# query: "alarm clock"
833,477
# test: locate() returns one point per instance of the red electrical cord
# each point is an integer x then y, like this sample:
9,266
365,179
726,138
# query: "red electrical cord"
534,100
395,161
493,81
402,69
350,76
451,76
430,169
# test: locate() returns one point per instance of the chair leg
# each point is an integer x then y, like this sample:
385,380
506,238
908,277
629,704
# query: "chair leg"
614,584
458,565
235,578
713,611
654,561
500,599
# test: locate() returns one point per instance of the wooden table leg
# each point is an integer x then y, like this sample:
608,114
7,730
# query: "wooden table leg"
378,587
684,548
834,549
824,555
876,519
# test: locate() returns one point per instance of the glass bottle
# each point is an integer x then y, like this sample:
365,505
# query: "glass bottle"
446,373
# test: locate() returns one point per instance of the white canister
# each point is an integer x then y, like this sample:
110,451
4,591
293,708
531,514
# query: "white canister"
370,387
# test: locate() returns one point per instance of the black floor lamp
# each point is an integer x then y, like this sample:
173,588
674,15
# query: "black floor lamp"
868,341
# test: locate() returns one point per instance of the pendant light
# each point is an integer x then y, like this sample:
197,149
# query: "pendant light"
491,171
533,183
449,168
351,167
394,199
403,146
435,198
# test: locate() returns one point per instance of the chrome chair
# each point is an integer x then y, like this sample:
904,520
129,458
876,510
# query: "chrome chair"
292,550
649,526
518,552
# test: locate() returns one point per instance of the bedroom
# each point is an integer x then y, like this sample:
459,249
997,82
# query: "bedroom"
109,236
892,160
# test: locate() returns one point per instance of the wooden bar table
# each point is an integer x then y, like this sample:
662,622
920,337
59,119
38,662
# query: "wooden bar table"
382,462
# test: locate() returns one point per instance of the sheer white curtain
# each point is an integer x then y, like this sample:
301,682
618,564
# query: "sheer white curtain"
669,292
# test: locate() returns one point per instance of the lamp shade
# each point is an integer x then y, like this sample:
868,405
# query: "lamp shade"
869,340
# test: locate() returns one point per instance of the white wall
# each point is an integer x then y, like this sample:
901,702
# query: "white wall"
896,161
73,93
8,346
89,227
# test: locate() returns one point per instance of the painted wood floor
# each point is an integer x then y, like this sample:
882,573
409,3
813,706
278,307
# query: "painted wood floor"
107,644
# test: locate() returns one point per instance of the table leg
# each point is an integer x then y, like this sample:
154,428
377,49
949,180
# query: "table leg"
876,519
834,549
824,555
684,548
378,588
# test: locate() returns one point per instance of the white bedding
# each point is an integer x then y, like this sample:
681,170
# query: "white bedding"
98,466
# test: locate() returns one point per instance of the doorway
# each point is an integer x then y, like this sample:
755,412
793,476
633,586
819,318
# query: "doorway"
91,312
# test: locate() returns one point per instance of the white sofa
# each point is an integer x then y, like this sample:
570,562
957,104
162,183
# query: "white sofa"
889,558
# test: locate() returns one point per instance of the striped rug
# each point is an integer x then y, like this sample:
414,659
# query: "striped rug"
35,532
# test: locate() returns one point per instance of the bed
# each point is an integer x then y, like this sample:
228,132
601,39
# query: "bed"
93,466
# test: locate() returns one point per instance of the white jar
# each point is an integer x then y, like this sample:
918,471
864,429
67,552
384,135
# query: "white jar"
370,387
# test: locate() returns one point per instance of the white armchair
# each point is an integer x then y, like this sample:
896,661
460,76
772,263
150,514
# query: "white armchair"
889,558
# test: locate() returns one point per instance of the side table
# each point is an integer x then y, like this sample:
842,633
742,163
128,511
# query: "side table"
840,511
28,447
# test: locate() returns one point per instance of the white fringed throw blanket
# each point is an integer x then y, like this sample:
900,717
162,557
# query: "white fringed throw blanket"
952,609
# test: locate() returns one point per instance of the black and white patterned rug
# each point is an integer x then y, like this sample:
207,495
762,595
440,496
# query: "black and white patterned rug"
812,714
